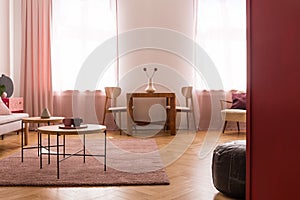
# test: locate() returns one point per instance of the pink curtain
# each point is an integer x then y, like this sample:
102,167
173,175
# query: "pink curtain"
89,105
36,56
207,101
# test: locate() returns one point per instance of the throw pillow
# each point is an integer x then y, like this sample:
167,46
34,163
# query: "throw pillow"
239,101
4,109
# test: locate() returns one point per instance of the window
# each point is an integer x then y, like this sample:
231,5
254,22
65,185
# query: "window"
221,32
78,27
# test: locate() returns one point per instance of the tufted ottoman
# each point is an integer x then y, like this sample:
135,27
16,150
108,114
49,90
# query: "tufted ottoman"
229,168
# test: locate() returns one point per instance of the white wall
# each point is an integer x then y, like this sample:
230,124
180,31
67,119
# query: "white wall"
175,15
10,40
4,37
171,14
15,64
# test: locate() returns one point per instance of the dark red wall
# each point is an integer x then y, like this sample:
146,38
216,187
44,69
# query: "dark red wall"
273,125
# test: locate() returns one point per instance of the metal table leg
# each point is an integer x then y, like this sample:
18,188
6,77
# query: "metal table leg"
57,154
22,140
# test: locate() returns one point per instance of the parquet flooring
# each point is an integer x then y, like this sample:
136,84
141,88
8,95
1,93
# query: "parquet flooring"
190,176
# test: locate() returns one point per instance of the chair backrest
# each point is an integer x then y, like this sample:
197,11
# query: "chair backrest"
225,104
112,93
187,92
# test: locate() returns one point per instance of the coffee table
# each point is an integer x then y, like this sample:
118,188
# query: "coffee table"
38,121
58,130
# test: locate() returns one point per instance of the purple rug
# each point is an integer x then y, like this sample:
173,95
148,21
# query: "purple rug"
129,162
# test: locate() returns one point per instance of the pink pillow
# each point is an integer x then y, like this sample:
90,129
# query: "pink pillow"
239,101
4,109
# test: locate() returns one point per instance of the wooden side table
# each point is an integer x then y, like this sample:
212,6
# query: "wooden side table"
37,120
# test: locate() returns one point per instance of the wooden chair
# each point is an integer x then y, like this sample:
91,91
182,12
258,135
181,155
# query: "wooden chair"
110,105
187,92
230,114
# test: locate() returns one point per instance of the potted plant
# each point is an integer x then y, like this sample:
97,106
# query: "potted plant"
2,91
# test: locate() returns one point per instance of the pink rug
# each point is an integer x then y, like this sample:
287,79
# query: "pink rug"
129,162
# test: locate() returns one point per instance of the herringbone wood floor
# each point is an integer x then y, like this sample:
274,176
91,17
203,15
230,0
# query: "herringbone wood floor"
190,177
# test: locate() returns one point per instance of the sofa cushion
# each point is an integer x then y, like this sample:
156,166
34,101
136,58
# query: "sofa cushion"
239,101
4,109
4,119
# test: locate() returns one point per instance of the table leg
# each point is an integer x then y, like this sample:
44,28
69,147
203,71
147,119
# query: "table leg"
83,148
40,147
105,150
49,148
48,143
26,133
172,119
64,145
167,123
57,154
22,141
129,114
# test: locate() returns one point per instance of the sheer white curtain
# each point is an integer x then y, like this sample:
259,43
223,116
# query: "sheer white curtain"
79,26
221,32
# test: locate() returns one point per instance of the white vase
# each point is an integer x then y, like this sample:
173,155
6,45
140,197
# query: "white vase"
150,88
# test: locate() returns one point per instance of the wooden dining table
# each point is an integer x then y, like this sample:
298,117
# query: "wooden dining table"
170,101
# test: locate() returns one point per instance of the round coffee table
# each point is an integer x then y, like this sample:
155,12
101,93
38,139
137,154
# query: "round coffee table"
60,130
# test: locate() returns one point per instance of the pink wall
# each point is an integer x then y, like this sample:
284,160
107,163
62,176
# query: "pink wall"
273,82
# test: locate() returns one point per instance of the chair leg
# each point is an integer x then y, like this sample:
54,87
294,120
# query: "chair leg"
120,125
2,137
103,120
194,120
224,127
187,121
104,111
238,125
117,124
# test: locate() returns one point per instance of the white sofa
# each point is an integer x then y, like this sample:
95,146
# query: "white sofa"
11,123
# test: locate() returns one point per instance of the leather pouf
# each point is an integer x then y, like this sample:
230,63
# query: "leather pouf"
229,168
